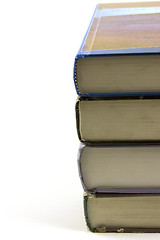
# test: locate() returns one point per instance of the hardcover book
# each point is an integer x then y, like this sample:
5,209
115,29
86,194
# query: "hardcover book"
122,212
120,53
118,120
120,168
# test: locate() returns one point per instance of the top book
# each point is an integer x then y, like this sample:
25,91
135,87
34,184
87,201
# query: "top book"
120,53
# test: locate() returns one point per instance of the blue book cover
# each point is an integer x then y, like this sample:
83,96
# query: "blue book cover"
120,53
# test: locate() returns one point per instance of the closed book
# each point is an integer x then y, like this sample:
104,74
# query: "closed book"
128,168
122,212
118,120
120,53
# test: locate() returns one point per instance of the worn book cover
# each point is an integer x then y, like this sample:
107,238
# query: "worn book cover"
120,36
134,213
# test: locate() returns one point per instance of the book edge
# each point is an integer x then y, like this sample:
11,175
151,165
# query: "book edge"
78,119
104,229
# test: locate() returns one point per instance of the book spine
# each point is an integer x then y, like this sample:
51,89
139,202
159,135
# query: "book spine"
78,119
79,165
85,203
75,76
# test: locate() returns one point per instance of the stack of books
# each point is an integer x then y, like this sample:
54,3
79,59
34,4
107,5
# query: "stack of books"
117,78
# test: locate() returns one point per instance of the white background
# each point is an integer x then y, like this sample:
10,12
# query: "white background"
40,191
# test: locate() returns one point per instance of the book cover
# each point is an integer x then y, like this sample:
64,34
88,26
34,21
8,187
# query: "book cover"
120,29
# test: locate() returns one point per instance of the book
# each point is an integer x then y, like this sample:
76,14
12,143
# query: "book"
120,168
122,212
118,120
120,53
